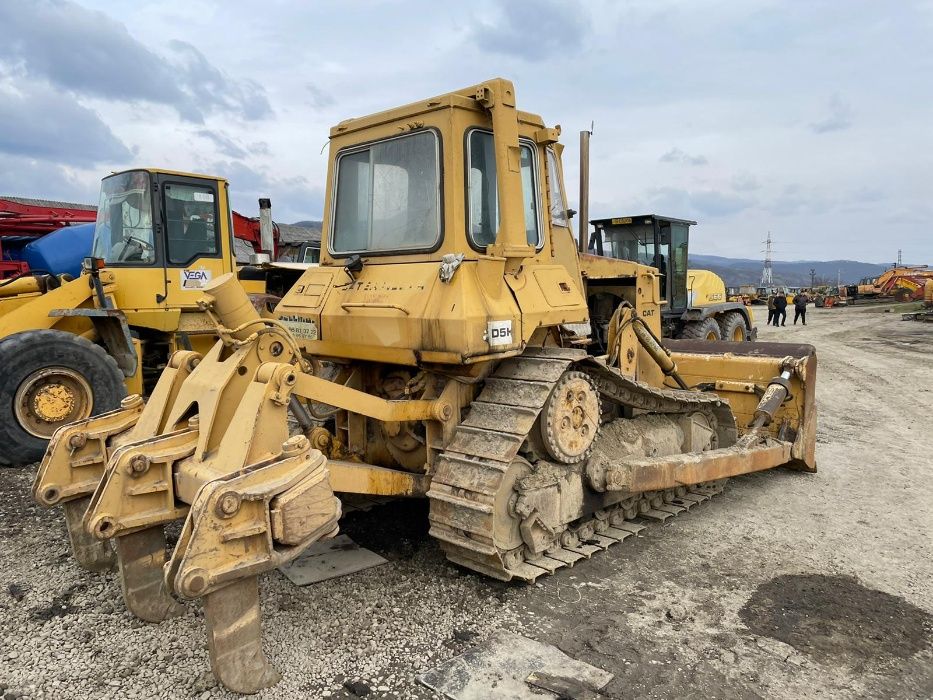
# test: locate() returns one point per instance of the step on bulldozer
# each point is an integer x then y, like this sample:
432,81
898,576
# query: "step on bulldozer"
440,350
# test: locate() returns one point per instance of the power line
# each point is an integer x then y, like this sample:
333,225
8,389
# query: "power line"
767,278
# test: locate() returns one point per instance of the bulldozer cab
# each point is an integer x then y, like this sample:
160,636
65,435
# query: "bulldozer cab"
164,234
658,241
446,237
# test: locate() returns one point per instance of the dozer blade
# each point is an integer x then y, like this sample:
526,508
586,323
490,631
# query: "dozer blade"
90,553
234,628
744,373
142,558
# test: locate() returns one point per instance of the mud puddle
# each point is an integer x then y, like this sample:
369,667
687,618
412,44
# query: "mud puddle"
837,619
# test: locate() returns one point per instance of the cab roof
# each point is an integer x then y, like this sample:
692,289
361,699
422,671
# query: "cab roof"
163,171
641,218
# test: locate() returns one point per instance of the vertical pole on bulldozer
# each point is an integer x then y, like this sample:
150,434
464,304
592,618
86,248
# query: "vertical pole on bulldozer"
585,190
266,237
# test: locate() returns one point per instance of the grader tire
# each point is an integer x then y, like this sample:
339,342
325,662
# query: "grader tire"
707,329
732,326
65,375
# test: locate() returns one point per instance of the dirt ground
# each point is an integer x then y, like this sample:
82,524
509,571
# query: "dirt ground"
787,585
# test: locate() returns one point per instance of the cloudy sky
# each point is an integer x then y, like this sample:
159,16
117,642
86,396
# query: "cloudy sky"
812,120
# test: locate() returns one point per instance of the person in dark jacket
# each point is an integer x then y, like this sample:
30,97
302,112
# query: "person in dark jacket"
800,307
780,309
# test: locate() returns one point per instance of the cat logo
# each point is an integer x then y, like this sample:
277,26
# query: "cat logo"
648,312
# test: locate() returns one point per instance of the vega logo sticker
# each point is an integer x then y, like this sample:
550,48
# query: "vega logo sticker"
499,333
194,279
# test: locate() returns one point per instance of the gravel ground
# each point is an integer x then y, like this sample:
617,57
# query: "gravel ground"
787,585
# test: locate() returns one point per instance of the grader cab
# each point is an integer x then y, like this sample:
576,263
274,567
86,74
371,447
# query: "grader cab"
440,350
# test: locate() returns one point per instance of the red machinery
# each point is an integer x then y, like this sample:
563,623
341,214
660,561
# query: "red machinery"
24,220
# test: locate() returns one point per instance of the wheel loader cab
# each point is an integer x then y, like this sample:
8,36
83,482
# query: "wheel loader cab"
657,241
163,235
455,207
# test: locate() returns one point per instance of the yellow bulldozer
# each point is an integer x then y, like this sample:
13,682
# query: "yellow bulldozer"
438,351
72,348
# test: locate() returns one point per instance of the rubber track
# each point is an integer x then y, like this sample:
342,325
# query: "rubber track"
469,473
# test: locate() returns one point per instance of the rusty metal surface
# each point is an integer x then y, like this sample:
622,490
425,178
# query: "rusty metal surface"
90,553
355,477
141,556
659,473
234,638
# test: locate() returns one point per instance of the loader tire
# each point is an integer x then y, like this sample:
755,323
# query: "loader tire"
50,378
732,327
707,329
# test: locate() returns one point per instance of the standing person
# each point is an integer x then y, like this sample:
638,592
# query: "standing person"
780,309
770,309
800,307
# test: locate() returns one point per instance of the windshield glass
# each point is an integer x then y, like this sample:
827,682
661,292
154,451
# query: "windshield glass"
123,233
388,196
633,242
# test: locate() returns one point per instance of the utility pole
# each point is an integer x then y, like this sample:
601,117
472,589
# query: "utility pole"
812,278
899,263
767,279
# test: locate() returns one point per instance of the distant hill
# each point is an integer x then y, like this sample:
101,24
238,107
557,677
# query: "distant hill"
796,273
315,225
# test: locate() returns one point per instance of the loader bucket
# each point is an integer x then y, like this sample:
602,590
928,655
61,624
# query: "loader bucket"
741,372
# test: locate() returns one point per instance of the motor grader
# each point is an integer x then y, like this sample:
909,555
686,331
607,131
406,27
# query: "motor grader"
72,348
440,350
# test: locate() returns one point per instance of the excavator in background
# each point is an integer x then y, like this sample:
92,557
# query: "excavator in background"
900,283
73,348
438,351
696,304
925,313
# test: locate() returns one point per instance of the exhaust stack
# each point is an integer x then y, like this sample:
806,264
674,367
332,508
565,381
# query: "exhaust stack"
585,190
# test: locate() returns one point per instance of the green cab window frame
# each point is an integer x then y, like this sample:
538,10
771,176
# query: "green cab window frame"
486,188
187,216
360,192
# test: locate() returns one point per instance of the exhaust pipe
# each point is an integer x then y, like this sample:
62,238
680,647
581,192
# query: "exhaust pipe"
585,190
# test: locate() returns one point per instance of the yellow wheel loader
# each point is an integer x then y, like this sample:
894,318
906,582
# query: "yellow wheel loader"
696,306
70,349
439,351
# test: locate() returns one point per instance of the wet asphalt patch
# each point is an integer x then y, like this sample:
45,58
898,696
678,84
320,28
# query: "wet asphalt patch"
837,619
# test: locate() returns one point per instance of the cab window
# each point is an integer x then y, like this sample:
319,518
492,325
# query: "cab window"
555,191
483,206
388,196
190,215
311,255
124,233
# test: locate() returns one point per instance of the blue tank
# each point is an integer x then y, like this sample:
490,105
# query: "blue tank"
61,251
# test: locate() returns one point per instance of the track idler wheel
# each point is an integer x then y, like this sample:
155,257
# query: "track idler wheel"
570,418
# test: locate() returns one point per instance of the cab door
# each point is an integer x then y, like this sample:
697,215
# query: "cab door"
195,236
